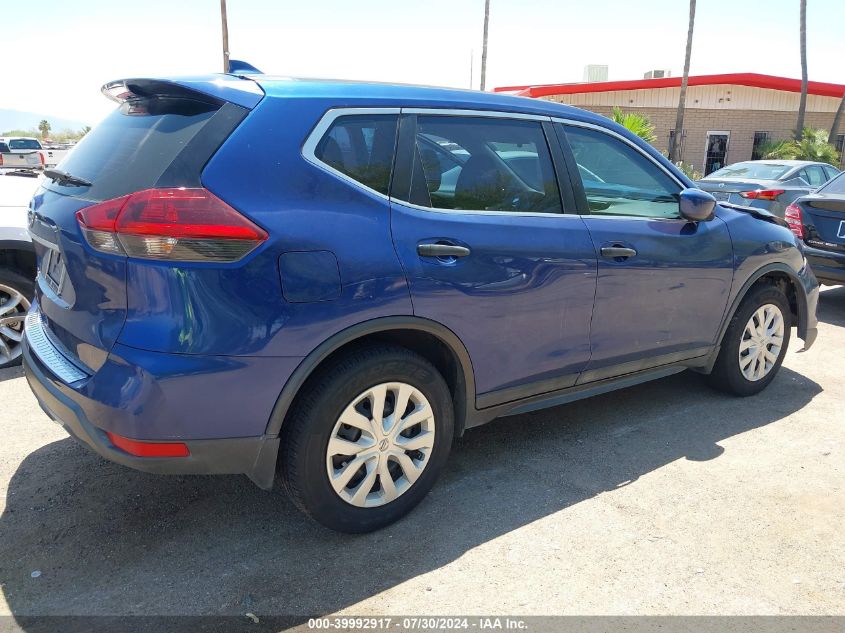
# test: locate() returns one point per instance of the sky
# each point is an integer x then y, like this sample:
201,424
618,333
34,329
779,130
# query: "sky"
74,46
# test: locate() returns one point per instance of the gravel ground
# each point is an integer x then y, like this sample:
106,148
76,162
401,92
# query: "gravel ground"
666,498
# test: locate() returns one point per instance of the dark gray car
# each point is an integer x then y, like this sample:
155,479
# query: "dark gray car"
767,184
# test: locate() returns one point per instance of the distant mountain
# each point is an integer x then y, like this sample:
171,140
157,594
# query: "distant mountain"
17,120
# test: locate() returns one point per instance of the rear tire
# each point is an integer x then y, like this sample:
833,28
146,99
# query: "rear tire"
754,344
390,466
16,292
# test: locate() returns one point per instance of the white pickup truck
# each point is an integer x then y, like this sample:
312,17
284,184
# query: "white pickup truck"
21,152
17,261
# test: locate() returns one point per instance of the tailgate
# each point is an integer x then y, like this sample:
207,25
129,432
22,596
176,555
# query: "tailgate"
161,135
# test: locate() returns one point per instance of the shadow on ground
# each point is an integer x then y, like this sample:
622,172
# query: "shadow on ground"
832,306
108,540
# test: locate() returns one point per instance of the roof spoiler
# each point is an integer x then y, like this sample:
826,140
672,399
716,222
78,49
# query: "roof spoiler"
212,89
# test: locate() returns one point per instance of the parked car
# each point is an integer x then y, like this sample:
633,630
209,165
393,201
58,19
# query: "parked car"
17,263
221,294
20,153
819,220
767,184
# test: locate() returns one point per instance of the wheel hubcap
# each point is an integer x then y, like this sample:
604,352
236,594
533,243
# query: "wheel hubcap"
13,308
380,445
761,342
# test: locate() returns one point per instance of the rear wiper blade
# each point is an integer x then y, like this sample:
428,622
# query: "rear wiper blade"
64,178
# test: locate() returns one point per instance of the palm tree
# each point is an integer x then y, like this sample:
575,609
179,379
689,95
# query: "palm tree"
44,128
484,44
639,124
802,105
682,99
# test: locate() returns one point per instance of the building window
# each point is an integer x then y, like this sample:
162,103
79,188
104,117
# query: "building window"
759,139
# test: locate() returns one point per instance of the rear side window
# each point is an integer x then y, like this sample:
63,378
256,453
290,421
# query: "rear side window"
361,146
486,164
133,146
815,175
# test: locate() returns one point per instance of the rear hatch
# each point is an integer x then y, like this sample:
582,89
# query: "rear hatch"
825,220
162,135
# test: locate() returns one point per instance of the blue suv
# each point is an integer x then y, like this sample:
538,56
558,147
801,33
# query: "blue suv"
329,281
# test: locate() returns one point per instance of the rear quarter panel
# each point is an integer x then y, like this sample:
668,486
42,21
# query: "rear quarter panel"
241,309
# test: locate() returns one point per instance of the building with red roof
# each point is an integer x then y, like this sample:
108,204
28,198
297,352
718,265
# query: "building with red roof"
727,116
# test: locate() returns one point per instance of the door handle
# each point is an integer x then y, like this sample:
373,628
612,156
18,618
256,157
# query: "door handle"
612,252
442,250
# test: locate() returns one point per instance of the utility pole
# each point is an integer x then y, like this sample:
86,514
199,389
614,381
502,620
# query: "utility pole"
484,44
225,36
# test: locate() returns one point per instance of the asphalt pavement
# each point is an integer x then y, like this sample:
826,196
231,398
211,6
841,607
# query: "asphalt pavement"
665,498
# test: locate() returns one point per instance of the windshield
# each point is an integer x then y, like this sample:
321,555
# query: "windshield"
755,170
837,185
24,143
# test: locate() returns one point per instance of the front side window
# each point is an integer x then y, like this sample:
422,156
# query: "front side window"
486,164
361,146
619,180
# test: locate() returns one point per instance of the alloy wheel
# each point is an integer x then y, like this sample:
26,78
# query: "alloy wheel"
13,308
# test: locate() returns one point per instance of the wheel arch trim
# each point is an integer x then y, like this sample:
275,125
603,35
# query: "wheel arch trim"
380,325
774,267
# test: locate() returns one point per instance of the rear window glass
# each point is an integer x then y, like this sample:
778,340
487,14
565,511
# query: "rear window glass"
837,185
361,146
758,171
24,143
132,147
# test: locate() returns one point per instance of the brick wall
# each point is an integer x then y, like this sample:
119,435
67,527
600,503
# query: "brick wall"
742,124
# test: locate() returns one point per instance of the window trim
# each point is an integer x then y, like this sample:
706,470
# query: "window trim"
563,173
309,147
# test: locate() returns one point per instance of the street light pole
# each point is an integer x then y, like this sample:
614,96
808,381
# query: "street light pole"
484,44
225,36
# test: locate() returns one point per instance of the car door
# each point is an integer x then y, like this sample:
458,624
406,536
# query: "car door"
663,282
489,252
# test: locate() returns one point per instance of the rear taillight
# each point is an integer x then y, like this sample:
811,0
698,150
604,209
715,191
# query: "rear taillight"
795,220
762,194
41,156
1,160
189,225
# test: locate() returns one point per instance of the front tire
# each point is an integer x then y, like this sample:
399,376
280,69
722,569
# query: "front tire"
368,439
15,294
754,344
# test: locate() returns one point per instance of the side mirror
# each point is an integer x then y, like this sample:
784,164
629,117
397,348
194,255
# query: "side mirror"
696,205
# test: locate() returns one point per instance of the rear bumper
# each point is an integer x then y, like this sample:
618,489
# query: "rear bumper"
88,419
829,267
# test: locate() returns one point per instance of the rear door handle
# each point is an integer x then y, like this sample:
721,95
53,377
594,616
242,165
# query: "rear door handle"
612,252
442,250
